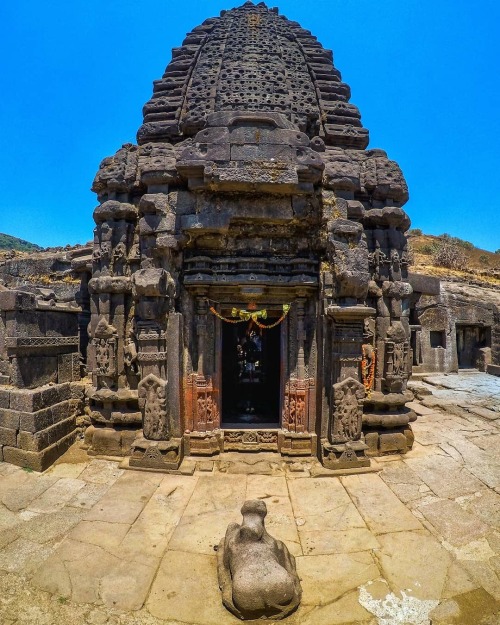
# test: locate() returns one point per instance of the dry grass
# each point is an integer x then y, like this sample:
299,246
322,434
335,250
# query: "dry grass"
482,267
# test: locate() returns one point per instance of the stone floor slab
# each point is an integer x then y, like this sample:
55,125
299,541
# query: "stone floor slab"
100,533
101,472
484,505
329,542
323,504
453,523
89,495
382,511
186,589
414,562
33,486
446,477
326,578
22,556
52,527
114,510
154,527
345,611
56,496
216,501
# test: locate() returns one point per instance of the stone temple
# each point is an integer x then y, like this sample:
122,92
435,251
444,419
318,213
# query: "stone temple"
248,286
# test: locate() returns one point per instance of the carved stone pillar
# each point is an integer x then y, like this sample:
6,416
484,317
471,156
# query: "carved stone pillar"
202,400
299,402
386,419
343,447
155,448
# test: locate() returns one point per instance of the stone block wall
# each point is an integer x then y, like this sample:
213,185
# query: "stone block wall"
38,425
40,390
446,317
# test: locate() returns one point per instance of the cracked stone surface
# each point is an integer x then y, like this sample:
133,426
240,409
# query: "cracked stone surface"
91,544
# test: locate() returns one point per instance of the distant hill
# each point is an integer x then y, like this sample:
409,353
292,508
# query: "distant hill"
13,243
473,265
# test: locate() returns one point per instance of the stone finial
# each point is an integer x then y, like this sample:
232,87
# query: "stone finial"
257,574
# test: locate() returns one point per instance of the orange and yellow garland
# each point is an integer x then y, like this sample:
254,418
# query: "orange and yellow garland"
247,315
368,371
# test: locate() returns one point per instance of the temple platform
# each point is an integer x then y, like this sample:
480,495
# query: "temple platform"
87,542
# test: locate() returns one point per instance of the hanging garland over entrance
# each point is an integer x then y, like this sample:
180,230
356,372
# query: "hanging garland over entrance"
241,315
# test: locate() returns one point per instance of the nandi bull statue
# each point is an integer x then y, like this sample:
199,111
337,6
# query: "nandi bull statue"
257,574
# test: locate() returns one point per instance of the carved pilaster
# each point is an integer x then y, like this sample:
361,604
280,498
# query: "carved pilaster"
343,446
153,402
299,405
155,449
105,344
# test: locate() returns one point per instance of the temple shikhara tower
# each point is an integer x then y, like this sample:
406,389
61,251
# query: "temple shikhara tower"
249,286
250,199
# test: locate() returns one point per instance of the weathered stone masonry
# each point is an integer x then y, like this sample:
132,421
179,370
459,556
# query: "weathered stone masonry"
251,187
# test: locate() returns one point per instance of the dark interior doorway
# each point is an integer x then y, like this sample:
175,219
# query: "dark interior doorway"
250,376
469,340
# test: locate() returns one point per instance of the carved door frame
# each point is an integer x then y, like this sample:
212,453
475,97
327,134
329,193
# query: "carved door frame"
218,361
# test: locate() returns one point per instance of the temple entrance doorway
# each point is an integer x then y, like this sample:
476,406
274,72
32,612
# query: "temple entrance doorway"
251,376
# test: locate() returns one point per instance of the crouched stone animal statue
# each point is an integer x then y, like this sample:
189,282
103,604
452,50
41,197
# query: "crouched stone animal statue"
257,574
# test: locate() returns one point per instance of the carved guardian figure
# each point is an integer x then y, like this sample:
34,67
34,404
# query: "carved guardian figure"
257,574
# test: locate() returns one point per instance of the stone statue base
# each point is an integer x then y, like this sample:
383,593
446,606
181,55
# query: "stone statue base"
158,455
349,455
203,443
257,574
297,443
389,441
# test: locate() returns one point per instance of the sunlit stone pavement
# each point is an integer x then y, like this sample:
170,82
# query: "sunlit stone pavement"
417,541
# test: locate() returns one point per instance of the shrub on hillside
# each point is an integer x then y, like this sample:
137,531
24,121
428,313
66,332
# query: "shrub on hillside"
415,231
426,249
448,254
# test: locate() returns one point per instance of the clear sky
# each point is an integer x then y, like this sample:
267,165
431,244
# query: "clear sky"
425,75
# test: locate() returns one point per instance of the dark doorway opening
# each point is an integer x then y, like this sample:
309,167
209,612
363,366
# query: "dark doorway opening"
250,376
470,339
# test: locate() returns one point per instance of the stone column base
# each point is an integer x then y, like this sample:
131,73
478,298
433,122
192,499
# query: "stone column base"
158,455
203,443
108,441
350,455
297,443
389,441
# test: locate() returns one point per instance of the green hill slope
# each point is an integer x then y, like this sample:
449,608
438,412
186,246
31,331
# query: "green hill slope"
13,243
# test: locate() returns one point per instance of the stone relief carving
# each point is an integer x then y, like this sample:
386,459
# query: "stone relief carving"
105,346
257,573
396,365
153,402
347,411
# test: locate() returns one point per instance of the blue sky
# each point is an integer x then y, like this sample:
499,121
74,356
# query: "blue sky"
76,75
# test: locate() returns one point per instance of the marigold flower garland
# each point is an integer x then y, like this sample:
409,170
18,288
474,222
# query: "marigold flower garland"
246,315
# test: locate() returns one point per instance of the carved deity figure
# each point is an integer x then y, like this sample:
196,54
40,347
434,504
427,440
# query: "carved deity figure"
347,411
395,266
398,362
153,403
257,573
301,411
105,343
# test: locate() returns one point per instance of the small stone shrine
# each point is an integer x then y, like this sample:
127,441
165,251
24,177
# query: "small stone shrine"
248,288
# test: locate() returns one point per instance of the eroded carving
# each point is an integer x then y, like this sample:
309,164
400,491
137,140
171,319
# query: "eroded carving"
257,573
153,402
347,411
